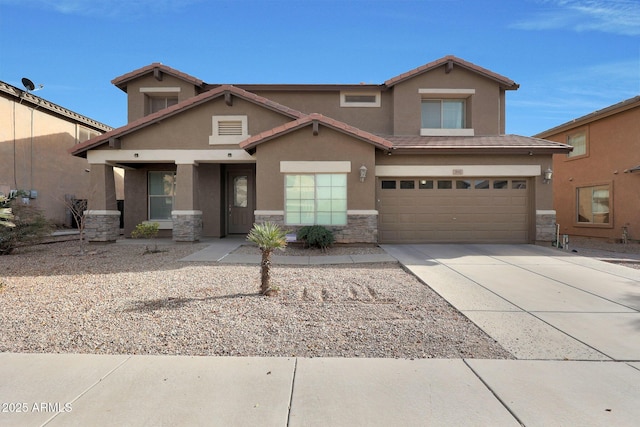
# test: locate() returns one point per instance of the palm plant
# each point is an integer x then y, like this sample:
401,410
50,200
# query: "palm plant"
268,236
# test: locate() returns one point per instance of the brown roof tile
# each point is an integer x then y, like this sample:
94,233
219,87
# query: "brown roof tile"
376,140
125,78
496,142
80,149
506,82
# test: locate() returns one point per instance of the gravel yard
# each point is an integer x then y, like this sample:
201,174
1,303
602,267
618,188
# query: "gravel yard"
115,300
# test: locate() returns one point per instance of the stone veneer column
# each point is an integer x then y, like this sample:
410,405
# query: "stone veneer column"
545,225
362,226
102,219
187,226
187,219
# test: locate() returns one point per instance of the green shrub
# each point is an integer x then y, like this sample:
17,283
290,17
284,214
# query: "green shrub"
31,227
146,231
316,236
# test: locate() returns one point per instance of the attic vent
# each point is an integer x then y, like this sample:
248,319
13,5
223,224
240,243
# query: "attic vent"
230,127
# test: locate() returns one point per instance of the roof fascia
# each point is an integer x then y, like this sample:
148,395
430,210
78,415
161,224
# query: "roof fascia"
592,117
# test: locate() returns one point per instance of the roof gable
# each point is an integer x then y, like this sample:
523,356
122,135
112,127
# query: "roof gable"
449,62
157,69
310,120
222,91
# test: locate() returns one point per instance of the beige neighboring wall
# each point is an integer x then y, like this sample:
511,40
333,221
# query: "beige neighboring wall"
33,156
302,145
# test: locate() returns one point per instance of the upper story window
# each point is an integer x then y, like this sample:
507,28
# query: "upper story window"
360,99
444,112
85,134
157,103
228,129
579,143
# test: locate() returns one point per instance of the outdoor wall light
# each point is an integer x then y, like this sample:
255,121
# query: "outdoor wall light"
548,174
363,173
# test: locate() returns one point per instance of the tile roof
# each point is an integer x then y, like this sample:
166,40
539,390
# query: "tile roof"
489,142
376,140
81,149
596,115
125,78
506,82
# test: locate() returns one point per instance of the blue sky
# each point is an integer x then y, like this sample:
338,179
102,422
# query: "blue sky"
570,57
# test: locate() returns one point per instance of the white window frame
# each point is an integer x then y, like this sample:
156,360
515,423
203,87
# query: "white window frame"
442,94
161,221
317,201
345,103
585,144
216,139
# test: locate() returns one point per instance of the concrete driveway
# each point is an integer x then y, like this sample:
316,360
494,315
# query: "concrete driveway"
539,303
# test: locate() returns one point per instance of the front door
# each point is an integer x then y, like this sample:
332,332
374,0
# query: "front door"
239,201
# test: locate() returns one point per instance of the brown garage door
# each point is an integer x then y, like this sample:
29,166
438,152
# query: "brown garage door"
476,210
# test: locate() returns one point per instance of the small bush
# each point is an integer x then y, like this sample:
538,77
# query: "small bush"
31,227
316,236
146,231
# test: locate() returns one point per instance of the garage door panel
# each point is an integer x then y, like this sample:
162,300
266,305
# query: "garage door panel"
454,215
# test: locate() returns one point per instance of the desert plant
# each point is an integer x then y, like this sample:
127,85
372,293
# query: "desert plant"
316,236
31,227
146,230
5,213
268,236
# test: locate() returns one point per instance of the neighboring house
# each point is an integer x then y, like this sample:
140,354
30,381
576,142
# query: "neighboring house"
35,136
420,158
597,185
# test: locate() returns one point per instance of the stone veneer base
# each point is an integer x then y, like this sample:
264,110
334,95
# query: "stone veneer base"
102,226
187,227
545,226
359,228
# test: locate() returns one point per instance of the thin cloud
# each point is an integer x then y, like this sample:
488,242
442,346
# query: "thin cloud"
608,16
104,8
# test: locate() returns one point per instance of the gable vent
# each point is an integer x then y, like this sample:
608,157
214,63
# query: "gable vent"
229,127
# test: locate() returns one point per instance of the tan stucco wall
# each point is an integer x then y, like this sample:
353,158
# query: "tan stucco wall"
40,159
485,112
378,120
613,147
328,145
192,128
137,101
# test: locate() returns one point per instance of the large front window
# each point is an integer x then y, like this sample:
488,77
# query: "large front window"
312,199
162,190
593,205
443,113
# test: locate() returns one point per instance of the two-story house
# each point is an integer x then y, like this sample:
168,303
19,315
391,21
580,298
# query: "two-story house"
421,157
35,136
597,185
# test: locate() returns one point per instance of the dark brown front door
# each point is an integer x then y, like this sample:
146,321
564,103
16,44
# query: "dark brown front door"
240,198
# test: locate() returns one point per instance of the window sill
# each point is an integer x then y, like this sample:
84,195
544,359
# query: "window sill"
589,225
446,132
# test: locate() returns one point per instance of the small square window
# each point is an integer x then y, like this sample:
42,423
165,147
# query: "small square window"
463,184
481,184
407,185
579,143
445,185
519,184
388,185
425,184
500,184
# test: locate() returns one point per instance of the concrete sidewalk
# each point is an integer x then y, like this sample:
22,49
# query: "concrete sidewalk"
573,323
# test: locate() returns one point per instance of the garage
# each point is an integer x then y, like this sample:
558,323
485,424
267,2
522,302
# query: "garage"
454,210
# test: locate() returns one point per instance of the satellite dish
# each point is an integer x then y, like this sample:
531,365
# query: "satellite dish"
28,84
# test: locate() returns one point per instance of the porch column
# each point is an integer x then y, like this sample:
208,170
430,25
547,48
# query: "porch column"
102,217
186,216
